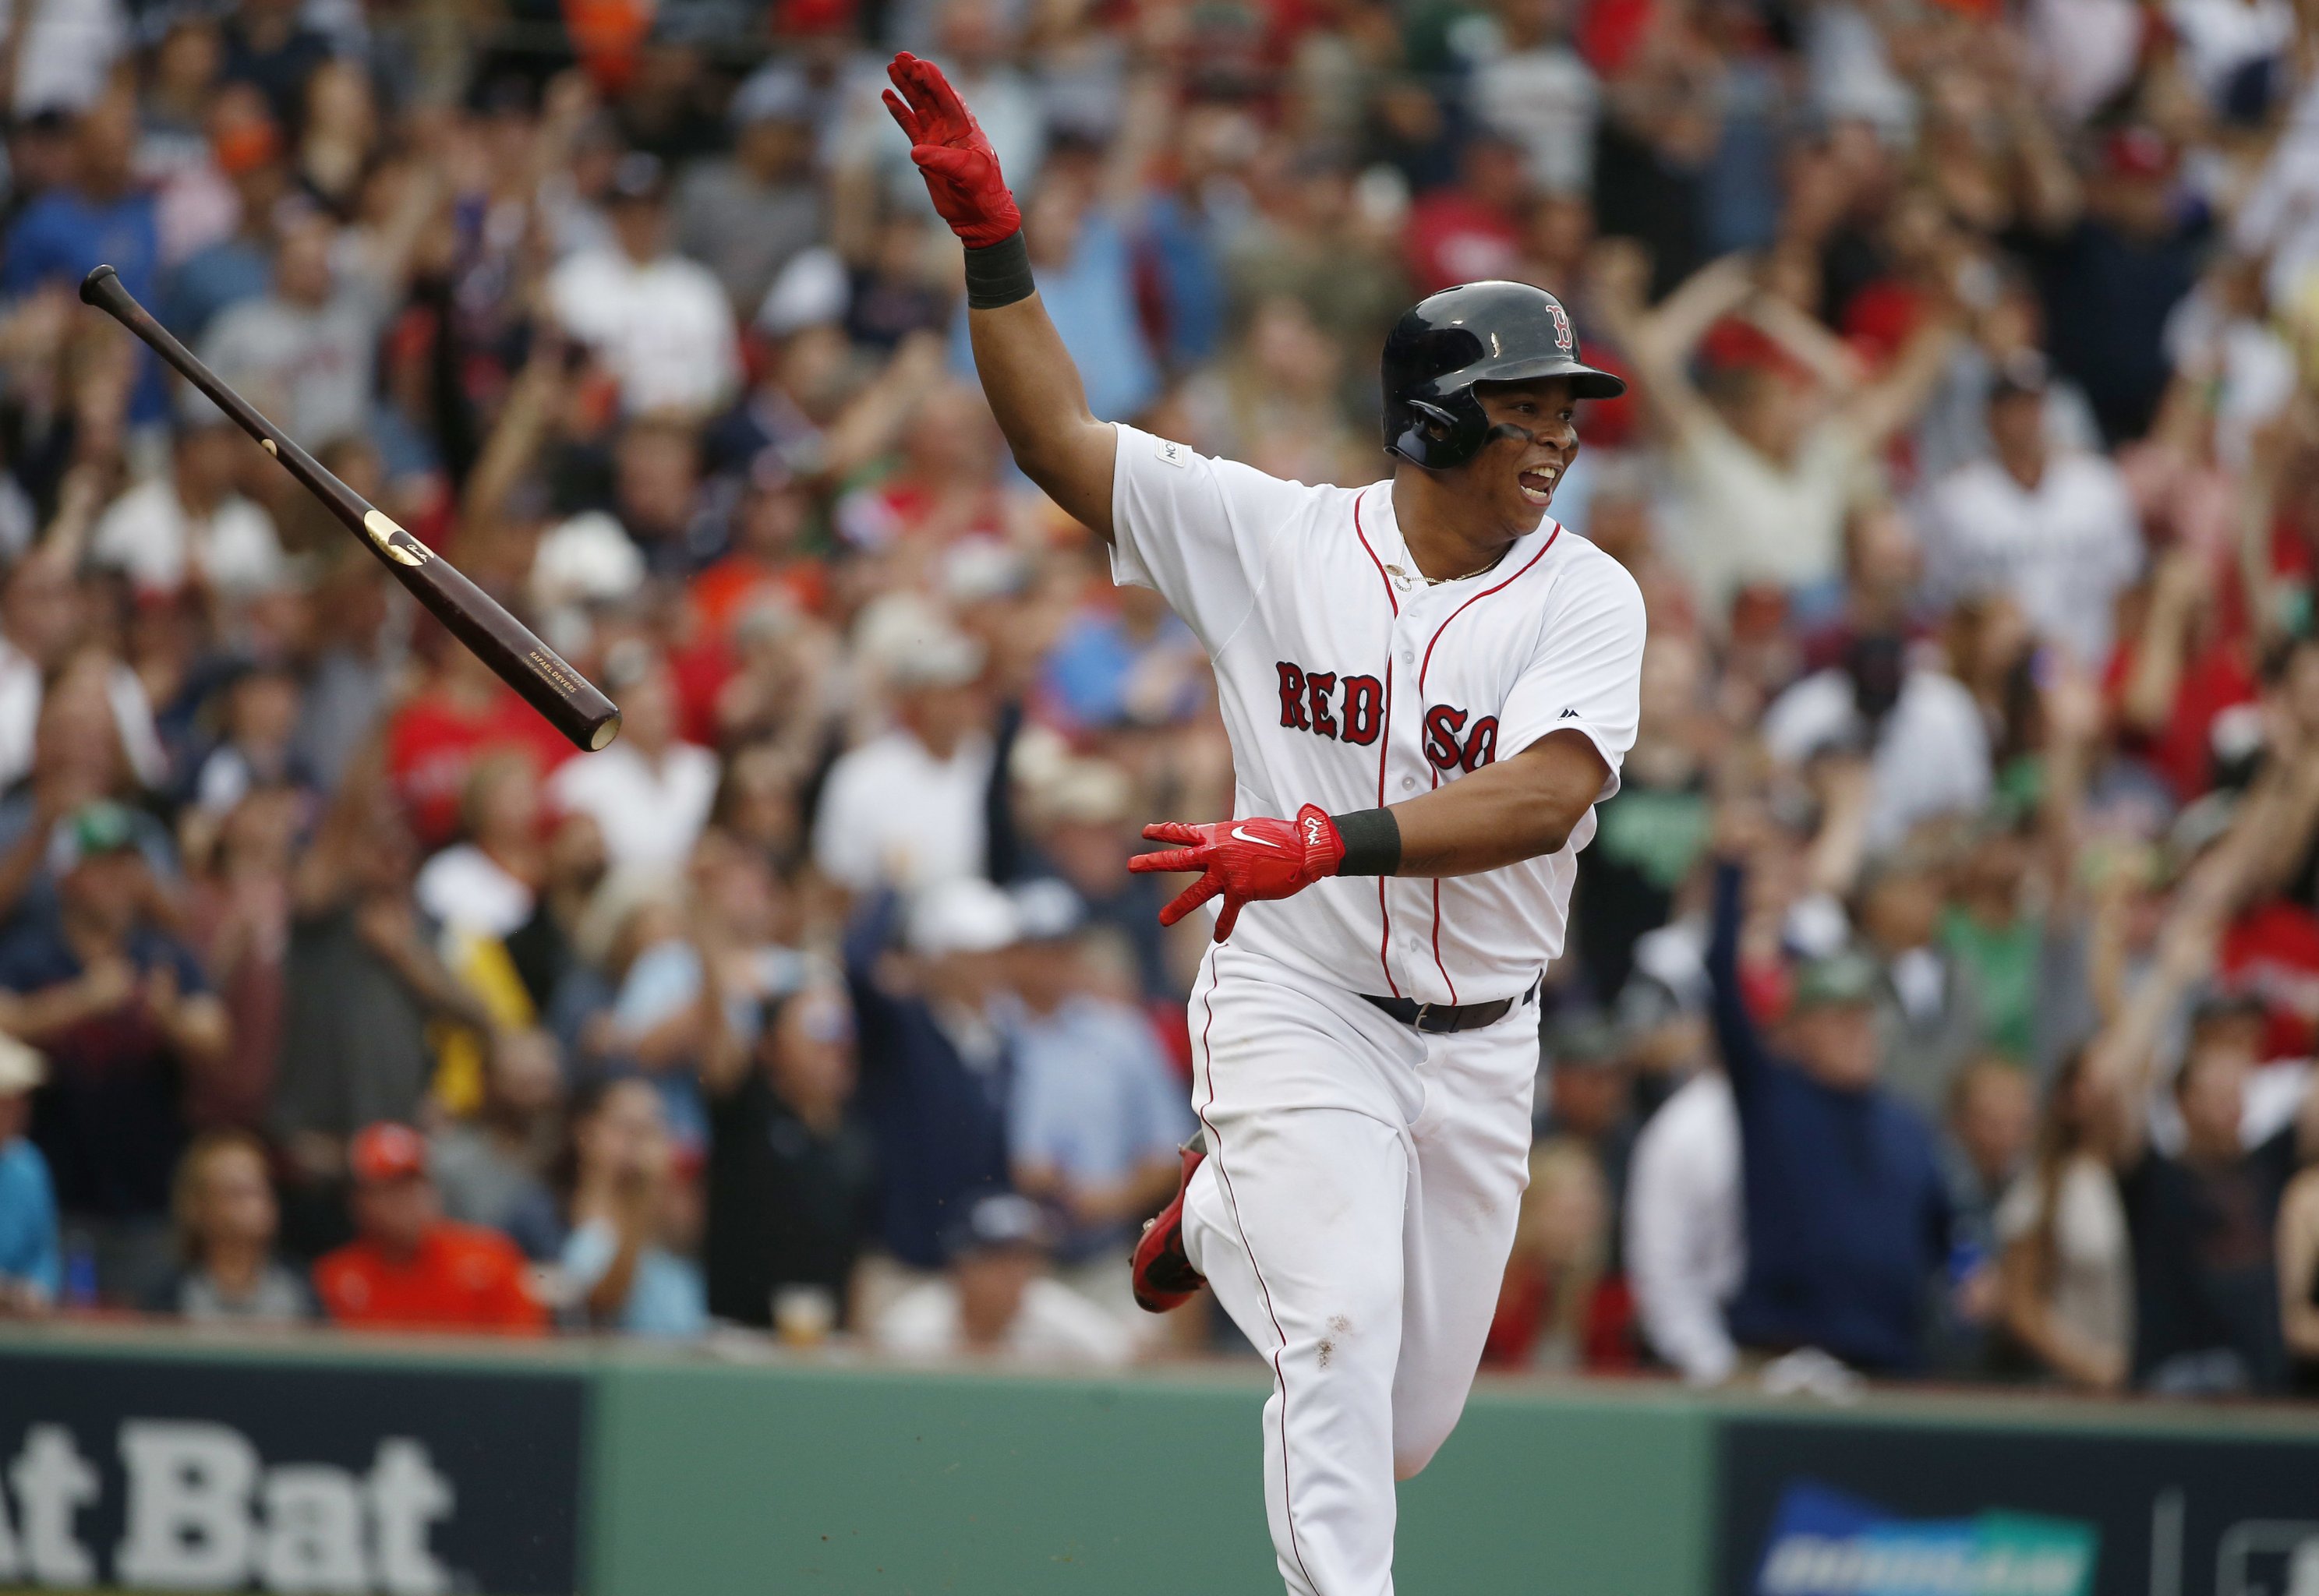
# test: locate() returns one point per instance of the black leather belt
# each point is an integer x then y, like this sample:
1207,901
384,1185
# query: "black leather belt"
1436,1017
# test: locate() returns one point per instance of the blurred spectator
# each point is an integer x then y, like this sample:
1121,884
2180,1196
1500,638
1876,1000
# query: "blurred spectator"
124,1012
255,748
1094,1115
2055,531
2298,1280
306,349
2205,1286
543,948
2067,1267
364,983
996,1300
1561,1306
1079,829
746,216
269,46
484,883
1685,1244
1991,1117
1589,1095
491,1170
661,322
409,1269
934,1065
1771,453
1929,1002
1920,731
1648,836
908,808
1531,86
31,1257
191,524
98,214
239,924
1131,662
226,1222
1848,1217
616,1267
650,791
793,1191
2114,251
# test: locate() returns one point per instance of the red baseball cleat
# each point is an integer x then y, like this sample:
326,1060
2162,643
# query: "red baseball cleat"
1163,1277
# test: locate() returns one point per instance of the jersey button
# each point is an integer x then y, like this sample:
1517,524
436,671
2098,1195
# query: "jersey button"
1407,782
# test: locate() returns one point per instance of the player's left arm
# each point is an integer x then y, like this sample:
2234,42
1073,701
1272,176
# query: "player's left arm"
1559,737
1565,728
1515,809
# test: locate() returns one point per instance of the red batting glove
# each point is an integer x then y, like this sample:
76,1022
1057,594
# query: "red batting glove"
1246,861
953,154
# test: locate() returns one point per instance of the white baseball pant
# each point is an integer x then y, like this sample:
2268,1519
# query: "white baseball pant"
1354,1216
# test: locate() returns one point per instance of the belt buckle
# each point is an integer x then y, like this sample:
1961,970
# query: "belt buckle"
1418,1023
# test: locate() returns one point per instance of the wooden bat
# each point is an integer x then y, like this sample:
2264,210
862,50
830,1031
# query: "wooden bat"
569,701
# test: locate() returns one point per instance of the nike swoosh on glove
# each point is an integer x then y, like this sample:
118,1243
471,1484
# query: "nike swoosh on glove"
952,153
1246,860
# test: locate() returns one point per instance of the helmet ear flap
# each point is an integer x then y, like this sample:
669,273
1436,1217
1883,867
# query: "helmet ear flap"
1440,435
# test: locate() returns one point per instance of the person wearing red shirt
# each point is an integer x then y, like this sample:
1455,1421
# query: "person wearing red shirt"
1472,229
434,739
409,1269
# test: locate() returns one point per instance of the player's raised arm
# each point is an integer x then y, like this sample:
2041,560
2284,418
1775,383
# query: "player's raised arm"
1027,374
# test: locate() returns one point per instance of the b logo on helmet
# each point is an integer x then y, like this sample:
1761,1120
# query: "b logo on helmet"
1562,336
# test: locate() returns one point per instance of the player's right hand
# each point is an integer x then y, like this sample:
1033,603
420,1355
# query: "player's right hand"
1246,861
952,153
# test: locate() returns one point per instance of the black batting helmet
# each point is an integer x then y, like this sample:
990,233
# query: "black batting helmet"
1477,332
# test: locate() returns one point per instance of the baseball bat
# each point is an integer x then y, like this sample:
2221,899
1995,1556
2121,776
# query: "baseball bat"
569,700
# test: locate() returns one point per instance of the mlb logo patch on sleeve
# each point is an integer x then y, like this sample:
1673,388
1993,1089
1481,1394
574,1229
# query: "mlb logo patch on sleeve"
1172,452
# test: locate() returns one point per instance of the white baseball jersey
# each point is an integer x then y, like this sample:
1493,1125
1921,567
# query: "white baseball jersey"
1348,681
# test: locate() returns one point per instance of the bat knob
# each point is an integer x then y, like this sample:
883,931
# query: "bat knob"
94,284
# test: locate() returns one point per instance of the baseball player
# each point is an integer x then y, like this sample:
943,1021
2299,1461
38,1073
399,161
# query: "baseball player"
1429,685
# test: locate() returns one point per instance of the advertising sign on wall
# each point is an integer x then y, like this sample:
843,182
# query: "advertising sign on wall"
1815,1509
134,1474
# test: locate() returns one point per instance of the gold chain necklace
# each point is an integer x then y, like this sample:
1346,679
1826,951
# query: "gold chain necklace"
1404,577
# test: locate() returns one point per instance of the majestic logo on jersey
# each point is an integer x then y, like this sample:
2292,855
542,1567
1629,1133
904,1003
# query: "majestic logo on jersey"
1443,724
1352,710
1348,711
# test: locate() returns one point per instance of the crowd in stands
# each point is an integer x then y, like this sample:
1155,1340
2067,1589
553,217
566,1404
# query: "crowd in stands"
1943,979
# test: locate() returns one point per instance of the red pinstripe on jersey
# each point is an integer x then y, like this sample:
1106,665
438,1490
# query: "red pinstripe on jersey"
1424,666
1384,740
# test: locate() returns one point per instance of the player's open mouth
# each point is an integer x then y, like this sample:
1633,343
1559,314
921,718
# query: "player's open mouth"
1538,486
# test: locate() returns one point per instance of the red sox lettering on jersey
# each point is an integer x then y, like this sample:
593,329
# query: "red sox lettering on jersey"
1348,681
1306,698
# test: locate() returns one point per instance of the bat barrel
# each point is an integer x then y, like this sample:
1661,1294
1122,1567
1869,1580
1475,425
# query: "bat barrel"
568,700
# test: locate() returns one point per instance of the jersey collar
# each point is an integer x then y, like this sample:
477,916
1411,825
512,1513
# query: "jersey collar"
1400,566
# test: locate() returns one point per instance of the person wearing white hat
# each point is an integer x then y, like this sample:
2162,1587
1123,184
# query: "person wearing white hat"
935,1067
907,809
31,1261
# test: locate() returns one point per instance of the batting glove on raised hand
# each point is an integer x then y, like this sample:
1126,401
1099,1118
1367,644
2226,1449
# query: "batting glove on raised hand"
1246,861
952,153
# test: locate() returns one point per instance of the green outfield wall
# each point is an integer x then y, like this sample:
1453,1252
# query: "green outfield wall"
131,1459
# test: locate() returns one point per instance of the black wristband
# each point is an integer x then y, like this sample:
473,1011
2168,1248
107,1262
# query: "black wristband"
999,273
1372,842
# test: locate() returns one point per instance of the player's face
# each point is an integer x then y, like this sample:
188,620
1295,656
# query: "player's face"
1518,474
